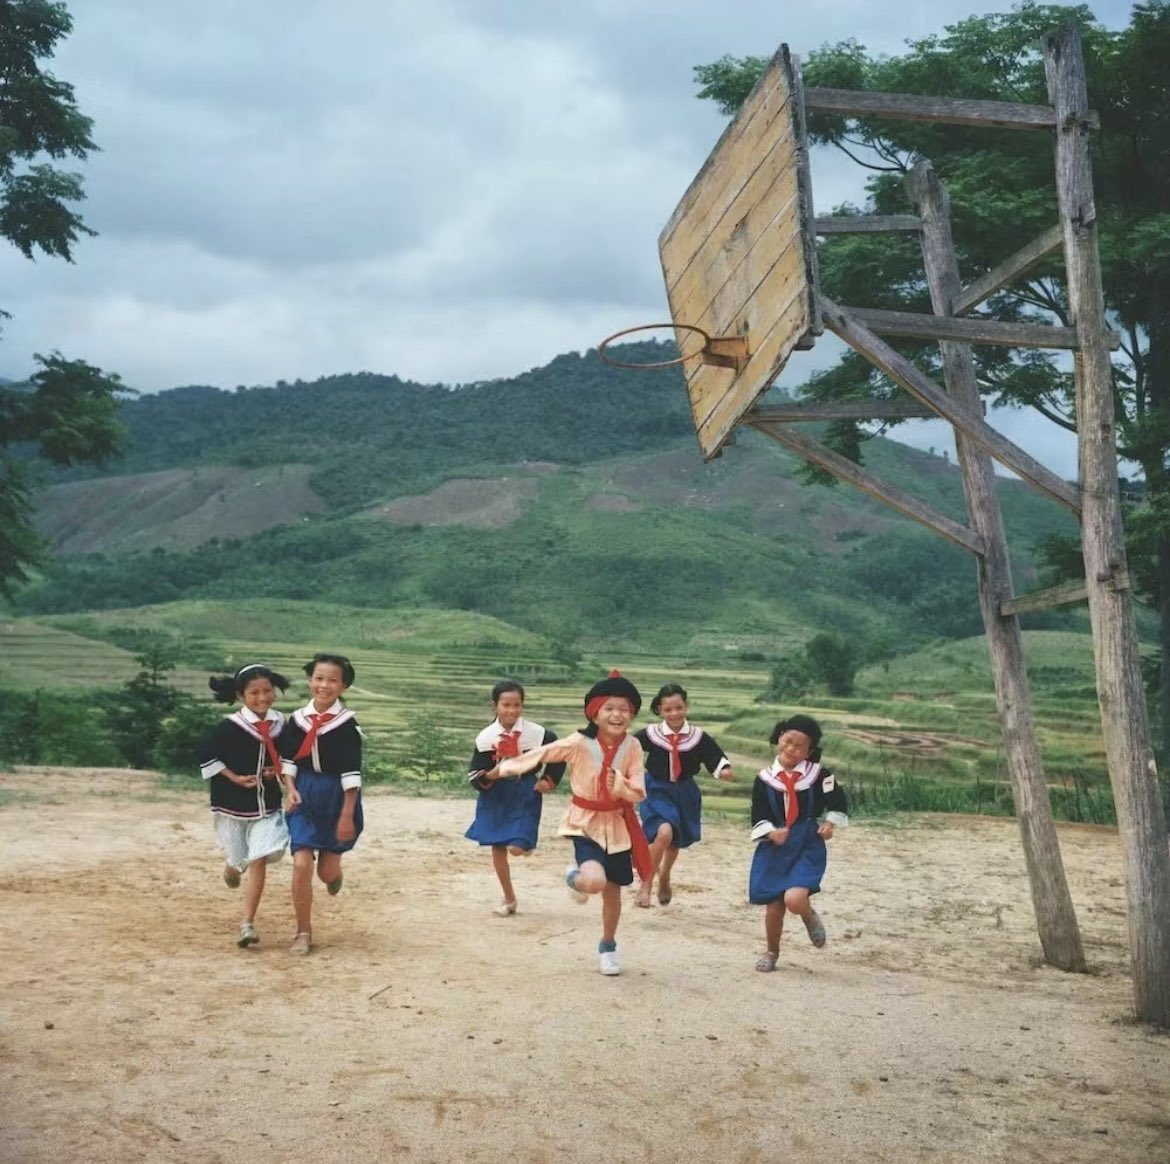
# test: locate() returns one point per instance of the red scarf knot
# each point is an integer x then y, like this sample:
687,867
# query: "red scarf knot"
264,727
319,721
791,800
507,746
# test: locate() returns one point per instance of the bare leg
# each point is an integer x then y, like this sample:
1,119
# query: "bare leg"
591,878
503,872
302,889
611,911
668,860
328,867
658,846
773,926
257,871
800,903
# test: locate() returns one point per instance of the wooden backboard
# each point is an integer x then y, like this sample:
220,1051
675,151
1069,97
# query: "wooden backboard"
739,253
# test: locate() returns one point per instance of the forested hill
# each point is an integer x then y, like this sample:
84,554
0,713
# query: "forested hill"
371,436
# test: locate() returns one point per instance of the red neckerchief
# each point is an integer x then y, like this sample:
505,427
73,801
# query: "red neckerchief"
264,727
791,801
507,746
640,847
319,720
672,738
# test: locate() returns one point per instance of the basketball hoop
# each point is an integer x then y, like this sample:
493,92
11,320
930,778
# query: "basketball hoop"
729,351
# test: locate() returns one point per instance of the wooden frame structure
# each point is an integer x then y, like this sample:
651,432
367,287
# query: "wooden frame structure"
1095,500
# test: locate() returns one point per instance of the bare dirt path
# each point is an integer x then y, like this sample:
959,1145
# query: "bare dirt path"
422,1028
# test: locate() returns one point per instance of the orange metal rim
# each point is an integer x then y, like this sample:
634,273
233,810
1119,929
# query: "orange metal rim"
601,347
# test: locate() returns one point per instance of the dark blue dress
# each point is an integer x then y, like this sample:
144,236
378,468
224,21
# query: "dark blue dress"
679,802
507,812
800,862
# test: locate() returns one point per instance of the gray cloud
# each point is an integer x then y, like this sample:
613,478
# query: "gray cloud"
450,191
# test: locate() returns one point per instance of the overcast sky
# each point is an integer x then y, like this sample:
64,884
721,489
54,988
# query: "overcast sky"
451,191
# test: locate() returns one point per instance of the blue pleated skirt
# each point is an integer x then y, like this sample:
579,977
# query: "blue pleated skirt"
313,824
799,863
679,805
508,813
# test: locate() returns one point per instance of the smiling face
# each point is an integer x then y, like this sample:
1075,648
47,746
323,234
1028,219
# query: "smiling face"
613,717
326,684
673,710
509,708
258,696
791,748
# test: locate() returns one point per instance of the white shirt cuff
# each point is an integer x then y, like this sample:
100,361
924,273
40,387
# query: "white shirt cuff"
212,769
838,820
351,780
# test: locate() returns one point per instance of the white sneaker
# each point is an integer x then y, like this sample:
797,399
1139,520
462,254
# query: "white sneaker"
609,962
576,894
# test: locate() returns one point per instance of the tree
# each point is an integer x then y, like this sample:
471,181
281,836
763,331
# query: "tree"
1002,196
68,412
138,712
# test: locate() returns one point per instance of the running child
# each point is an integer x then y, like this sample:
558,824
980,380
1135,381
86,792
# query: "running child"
788,799
507,812
241,764
322,750
673,809
605,774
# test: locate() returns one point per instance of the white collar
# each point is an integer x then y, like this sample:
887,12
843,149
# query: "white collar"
809,770
336,709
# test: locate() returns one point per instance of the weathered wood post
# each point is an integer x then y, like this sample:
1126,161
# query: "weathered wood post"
1055,918
1125,729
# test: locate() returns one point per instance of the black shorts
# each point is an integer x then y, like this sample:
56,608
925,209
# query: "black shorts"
619,867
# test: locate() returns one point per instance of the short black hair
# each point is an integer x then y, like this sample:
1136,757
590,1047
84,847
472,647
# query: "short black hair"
804,724
664,692
347,672
228,688
506,685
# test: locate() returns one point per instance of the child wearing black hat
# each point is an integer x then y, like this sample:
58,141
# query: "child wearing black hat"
606,776
788,799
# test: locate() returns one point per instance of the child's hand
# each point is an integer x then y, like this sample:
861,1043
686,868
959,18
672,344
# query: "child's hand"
778,836
726,774
345,828
292,798
544,784
826,830
618,784
491,774
242,781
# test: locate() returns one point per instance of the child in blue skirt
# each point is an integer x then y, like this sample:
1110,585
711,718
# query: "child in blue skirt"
673,809
788,800
322,760
507,812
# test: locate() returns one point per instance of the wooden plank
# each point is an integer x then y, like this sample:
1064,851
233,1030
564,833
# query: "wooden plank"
846,470
912,325
1011,270
816,325
732,399
1062,595
1056,919
899,408
913,107
736,156
1141,820
866,224
975,428
765,215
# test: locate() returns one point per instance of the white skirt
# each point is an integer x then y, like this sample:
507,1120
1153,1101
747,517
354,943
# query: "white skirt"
245,841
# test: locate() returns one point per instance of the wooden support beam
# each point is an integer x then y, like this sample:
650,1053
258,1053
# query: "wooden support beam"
1062,595
1011,270
954,111
1125,730
974,428
1056,920
844,469
866,224
913,325
900,408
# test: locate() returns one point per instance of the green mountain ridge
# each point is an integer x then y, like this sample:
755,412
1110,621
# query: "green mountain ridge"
570,501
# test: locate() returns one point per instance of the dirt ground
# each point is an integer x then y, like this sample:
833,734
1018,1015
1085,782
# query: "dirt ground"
421,1028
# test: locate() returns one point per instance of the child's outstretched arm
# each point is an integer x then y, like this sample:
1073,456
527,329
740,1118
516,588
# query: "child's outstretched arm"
518,765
